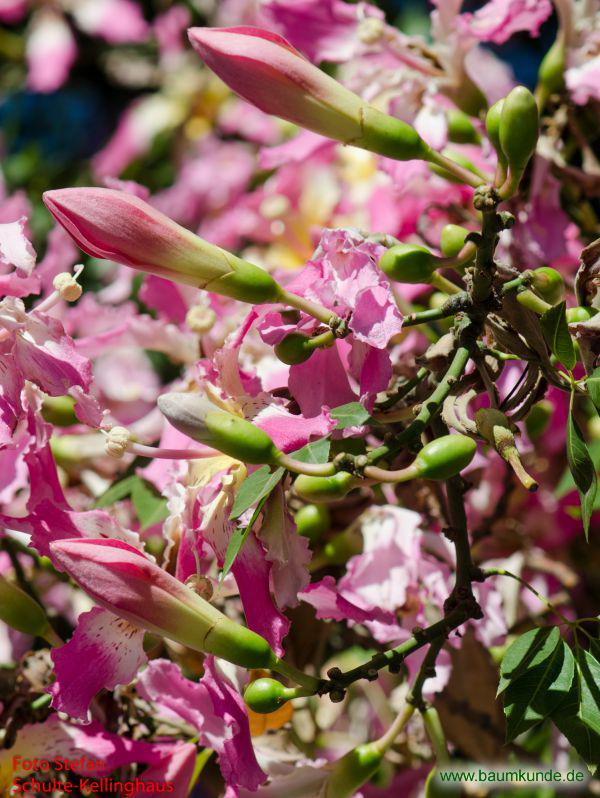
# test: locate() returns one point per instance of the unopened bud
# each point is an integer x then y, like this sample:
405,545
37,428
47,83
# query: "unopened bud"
519,127
408,263
496,428
445,457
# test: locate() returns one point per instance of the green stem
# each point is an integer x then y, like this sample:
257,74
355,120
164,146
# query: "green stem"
532,302
464,175
435,732
313,309
519,282
310,469
294,674
503,572
395,656
385,742
443,284
431,406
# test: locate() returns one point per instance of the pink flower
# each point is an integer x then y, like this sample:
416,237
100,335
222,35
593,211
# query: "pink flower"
212,706
51,51
264,68
498,20
584,81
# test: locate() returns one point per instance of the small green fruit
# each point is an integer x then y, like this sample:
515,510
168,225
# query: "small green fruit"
324,489
445,457
452,240
549,284
408,263
519,127
312,521
580,314
265,696
292,349
460,128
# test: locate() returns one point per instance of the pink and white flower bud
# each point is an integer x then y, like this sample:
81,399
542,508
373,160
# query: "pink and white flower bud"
121,227
264,68
124,581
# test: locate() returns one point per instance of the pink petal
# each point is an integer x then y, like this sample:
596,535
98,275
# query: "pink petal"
15,247
498,20
105,651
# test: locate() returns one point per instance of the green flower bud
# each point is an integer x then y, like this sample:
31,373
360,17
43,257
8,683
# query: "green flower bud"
19,611
551,75
198,417
324,489
452,240
265,696
538,418
519,127
580,314
460,128
248,283
408,263
445,457
312,521
58,410
292,349
549,284
352,771
492,125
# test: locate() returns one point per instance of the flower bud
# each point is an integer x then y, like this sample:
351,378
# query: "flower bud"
353,770
198,417
579,314
325,489
551,74
125,582
293,350
445,457
264,68
519,126
408,263
492,125
118,226
265,696
19,611
312,521
452,240
549,284
460,128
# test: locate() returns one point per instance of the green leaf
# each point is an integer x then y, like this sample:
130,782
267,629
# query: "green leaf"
150,506
556,332
236,541
567,483
260,483
569,720
120,490
317,452
593,386
589,676
539,691
581,467
527,652
351,415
